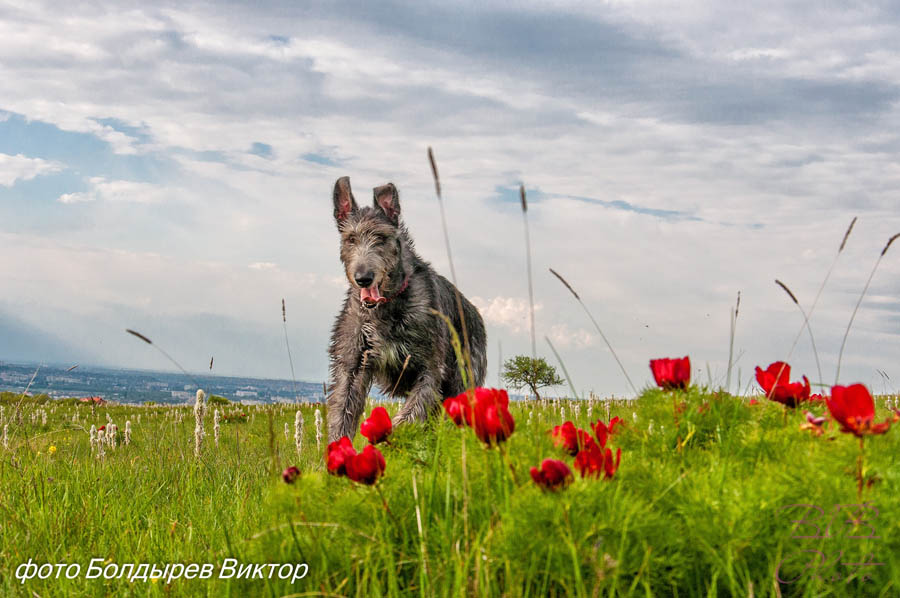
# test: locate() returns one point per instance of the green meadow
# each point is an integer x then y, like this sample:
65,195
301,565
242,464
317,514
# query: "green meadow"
729,502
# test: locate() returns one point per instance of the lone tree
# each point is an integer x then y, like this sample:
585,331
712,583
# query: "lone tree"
527,372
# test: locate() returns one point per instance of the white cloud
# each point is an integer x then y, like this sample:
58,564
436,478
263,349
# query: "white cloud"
22,168
102,189
511,313
564,337
262,266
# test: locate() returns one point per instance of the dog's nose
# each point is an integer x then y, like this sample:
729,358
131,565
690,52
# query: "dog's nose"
364,278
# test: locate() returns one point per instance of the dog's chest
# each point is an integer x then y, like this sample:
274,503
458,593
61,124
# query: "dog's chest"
385,351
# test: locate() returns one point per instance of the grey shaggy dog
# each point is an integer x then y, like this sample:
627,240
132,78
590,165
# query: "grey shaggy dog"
386,318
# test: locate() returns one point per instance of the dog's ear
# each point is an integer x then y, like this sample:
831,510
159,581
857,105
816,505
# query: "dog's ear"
344,204
388,201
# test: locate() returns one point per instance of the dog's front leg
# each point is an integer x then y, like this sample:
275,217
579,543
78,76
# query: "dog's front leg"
423,398
347,400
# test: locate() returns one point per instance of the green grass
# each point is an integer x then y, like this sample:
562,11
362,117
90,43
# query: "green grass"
706,520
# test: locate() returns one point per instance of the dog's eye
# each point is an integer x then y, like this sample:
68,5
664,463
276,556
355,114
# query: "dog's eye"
351,239
378,240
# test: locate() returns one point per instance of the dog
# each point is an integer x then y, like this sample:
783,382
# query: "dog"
387,319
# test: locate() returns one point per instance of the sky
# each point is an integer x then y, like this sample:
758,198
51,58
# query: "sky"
168,167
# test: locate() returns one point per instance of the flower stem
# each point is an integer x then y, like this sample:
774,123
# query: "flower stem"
386,507
859,468
675,410
509,464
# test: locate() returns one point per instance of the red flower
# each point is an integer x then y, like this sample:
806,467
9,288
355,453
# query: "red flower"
816,397
492,420
290,474
103,427
459,409
367,466
378,427
338,454
853,408
602,431
570,438
671,373
775,381
552,475
595,461
753,402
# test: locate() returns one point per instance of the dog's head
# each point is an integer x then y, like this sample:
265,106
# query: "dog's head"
371,241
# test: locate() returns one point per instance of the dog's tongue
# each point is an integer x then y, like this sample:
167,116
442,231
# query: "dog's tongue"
371,295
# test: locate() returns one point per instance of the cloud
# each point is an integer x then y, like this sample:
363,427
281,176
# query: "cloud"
511,313
262,266
101,189
563,337
22,168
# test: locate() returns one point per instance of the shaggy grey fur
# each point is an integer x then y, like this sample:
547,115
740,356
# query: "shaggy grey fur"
370,343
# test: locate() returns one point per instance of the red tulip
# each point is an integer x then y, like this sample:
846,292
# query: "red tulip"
753,402
570,438
378,427
367,466
775,381
595,461
852,406
609,466
103,427
552,475
290,474
459,409
492,420
338,454
671,373
602,431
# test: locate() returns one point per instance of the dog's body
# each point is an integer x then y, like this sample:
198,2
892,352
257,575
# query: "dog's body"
387,317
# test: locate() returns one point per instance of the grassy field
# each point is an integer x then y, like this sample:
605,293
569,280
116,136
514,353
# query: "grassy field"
449,517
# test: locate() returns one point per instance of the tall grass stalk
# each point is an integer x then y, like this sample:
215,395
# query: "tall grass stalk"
467,363
597,327
807,315
734,317
528,269
837,374
166,355
288,345
563,366
806,325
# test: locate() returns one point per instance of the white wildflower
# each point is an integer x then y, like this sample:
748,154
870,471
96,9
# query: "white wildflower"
318,430
199,408
298,432
101,439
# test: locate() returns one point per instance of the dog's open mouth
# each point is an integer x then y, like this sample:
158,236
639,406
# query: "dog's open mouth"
371,297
